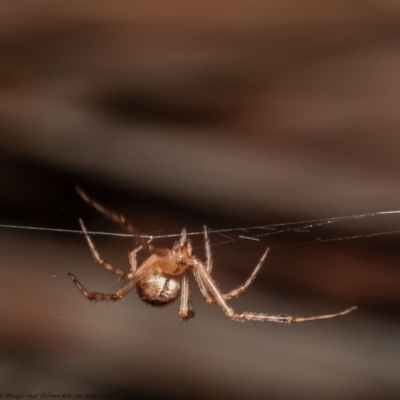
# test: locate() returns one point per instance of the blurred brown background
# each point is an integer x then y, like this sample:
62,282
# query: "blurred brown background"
178,114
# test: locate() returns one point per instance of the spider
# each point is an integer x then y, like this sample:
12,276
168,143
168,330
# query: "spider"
162,277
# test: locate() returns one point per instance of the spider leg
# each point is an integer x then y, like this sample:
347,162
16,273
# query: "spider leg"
202,287
93,296
197,277
183,238
196,274
189,248
286,319
132,257
98,259
248,316
133,279
242,288
186,310
236,292
208,250
117,218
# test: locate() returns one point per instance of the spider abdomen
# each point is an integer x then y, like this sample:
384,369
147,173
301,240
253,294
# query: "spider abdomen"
158,289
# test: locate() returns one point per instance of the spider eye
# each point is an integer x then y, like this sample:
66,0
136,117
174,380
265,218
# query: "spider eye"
181,262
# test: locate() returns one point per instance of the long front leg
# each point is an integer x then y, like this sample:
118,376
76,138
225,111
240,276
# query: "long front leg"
117,218
103,263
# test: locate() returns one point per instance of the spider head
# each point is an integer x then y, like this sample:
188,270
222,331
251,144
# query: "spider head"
176,261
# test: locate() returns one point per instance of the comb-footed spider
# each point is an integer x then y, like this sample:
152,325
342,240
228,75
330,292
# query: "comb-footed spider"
163,276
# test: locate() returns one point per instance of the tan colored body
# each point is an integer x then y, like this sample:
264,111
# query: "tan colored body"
162,277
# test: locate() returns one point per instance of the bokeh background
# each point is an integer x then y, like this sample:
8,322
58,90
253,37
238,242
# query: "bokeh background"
225,113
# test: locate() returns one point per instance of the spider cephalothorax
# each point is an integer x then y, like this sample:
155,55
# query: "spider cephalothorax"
162,277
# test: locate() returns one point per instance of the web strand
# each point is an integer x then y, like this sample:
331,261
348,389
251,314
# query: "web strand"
229,235
305,226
